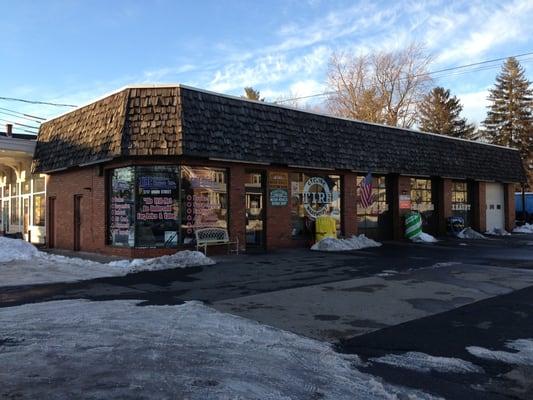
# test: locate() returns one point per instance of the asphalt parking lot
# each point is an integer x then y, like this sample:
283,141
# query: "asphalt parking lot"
435,299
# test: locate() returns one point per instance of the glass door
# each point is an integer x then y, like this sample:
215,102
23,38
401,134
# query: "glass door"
255,209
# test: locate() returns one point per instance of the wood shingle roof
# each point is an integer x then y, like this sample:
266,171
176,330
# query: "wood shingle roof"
178,120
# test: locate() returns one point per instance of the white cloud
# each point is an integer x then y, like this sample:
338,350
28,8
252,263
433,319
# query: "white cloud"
474,105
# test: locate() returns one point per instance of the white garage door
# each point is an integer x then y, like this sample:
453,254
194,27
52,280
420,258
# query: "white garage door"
495,206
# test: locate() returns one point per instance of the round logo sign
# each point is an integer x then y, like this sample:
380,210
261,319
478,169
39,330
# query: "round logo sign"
316,196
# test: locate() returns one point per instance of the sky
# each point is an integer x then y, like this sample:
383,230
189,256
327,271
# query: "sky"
75,51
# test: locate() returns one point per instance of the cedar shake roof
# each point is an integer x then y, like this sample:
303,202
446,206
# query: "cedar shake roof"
179,120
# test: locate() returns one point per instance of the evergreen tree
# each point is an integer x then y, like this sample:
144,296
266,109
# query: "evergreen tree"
252,94
510,116
440,113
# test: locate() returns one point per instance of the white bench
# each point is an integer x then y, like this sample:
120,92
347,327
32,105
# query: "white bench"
215,237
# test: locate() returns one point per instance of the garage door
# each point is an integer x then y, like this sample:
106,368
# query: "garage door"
495,206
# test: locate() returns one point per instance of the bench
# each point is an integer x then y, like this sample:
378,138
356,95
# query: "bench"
215,237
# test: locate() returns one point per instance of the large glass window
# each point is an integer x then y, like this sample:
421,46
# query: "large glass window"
38,209
38,184
204,199
422,200
15,215
122,207
374,220
157,206
461,201
312,196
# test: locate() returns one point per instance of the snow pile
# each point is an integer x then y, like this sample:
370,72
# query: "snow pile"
424,238
522,354
16,249
527,228
181,259
469,233
497,232
353,243
186,351
21,263
422,362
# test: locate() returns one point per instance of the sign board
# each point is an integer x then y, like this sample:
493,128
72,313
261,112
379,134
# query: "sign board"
405,202
317,196
278,180
279,197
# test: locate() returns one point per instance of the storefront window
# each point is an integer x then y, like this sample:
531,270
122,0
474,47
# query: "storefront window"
38,209
204,199
374,220
122,207
312,196
26,187
157,206
422,200
15,217
460,201
38,184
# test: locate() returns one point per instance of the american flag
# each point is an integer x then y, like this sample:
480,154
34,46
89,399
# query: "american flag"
366,198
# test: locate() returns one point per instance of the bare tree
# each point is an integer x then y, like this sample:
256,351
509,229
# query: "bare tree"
381,87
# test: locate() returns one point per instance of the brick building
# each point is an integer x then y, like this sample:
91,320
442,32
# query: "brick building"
136,172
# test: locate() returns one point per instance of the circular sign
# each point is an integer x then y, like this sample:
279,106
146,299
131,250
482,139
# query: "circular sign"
316,196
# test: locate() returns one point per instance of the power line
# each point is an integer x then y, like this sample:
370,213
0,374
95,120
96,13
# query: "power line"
24,114
19,116
19,124
47,103
429,73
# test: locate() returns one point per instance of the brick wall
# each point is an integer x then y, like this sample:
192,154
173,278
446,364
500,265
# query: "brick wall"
88,183
349,204
479,203
443,204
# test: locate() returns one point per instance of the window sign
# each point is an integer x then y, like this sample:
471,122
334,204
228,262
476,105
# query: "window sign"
157,206
122,204
204,200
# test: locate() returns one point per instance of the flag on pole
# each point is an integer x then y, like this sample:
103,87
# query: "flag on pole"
366,198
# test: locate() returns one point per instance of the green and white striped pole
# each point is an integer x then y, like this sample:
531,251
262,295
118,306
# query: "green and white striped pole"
413,225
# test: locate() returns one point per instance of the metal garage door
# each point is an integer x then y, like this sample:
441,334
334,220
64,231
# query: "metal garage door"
495,206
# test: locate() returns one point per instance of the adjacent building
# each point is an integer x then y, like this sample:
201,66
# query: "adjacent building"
138,171
22,194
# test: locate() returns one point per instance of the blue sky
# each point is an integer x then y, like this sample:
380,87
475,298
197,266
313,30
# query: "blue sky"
75,51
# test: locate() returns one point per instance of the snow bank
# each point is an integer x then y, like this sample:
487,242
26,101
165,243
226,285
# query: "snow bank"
422,362
181,259
184,351
497,232
16,249
424,238
469,233
353,243
21,263
527,228
522,354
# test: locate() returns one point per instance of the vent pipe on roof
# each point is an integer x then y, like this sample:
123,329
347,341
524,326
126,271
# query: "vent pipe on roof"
9,129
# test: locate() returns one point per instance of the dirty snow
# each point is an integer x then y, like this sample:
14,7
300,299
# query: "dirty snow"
21,263
422,362
521,352
352,243
526,228
497,232
424,238
115,349
16,249
469,233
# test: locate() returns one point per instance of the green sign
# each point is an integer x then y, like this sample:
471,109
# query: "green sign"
279,197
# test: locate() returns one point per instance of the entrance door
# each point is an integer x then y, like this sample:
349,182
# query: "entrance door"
51,222
494,196
77,221
255,210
